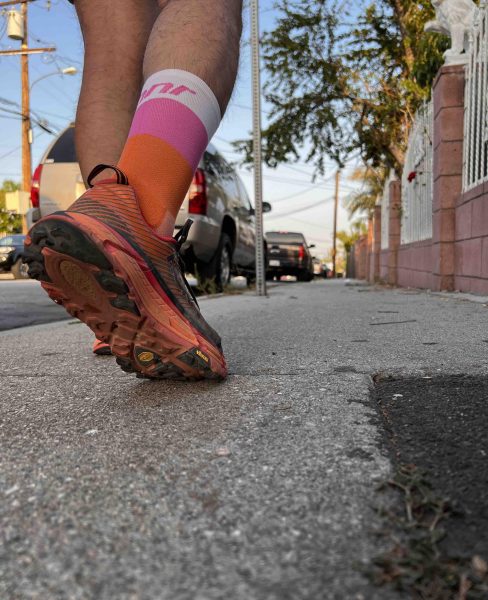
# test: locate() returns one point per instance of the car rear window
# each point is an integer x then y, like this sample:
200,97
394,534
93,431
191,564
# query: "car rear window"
285,238
64,148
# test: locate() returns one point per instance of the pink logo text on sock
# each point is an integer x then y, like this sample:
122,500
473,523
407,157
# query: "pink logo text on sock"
166,88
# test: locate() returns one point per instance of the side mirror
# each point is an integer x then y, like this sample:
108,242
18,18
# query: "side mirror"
312,246
266,208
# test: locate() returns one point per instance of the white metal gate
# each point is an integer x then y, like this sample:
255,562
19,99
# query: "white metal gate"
475,167
417,179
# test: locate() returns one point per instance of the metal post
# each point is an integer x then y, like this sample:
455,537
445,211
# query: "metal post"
258,173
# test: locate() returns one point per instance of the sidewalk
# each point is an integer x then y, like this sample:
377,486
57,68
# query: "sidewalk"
258,488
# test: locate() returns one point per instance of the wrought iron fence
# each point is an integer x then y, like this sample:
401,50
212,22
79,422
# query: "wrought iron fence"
475,159
417,179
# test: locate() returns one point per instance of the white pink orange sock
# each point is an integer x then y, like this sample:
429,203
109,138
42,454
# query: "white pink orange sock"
175,119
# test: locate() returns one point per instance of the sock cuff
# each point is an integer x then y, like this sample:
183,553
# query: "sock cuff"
187,89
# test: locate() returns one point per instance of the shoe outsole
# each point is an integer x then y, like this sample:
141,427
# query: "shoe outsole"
87,268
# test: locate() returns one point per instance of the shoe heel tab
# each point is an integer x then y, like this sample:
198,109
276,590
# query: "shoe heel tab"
121,176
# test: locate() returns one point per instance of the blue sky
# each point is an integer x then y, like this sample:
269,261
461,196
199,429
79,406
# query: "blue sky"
287,188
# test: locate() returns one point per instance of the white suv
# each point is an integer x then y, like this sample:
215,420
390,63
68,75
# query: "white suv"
221,241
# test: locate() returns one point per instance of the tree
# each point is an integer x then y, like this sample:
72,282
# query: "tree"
363,201
341,83
9,223
349,238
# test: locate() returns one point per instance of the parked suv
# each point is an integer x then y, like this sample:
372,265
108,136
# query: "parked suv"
288,254
221,240
11,249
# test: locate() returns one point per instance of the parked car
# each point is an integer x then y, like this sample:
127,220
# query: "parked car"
11,249
288,254
222,239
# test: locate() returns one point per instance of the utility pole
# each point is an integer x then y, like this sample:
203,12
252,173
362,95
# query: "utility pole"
334,234
26,120
258,173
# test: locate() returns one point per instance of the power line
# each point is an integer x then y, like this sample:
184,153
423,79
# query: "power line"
296,194
10,152
286,165
302,209
17,148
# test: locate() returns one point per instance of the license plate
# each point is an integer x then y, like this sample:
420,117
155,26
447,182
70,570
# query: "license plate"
274,263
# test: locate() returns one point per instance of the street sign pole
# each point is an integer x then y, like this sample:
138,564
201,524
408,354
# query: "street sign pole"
258,173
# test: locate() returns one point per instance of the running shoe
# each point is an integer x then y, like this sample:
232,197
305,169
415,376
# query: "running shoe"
101,348
108,268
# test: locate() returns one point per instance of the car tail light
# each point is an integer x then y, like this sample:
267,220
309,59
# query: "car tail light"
301,253
36,181
198,194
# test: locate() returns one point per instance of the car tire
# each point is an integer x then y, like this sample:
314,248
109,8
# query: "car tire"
304,276
19,270
215,275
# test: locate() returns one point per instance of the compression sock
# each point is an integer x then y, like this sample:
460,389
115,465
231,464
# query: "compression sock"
175,119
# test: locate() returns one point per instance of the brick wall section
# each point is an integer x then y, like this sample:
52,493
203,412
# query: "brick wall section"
384,265
415,265
394,231
375,272
448,93
471,234
361,258
370,257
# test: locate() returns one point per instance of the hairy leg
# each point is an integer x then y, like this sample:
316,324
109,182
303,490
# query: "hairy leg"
115,36
199,36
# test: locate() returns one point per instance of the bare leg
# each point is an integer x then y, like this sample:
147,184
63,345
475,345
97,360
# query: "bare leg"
200,36
115,36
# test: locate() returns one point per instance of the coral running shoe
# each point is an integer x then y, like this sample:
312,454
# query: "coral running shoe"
101,348
108,268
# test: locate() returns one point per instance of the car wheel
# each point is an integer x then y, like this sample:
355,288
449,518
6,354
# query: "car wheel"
20,270
304,276
215,275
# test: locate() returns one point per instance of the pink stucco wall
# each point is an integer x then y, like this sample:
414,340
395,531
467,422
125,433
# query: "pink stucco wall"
415,264
384,265
471,241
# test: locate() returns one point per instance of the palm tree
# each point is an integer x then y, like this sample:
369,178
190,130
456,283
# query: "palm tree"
349,238
364,200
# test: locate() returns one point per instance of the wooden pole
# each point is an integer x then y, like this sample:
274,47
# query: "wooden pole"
26,120
334,234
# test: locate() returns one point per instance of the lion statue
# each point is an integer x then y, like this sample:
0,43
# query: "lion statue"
454,18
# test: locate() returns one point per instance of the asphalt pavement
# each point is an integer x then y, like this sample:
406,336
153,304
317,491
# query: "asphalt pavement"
261,487
24,302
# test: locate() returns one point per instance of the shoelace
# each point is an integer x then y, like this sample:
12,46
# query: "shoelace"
180,239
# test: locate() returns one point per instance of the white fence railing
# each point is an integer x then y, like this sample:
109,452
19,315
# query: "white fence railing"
385,214
475,160
417,179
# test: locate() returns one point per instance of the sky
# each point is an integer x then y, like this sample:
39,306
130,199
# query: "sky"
289,188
